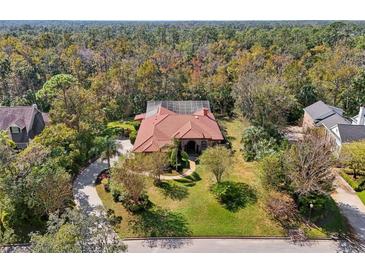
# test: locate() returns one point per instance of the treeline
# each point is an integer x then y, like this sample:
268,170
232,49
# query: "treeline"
269,70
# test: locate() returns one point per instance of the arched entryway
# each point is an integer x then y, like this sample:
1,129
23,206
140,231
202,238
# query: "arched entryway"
190,147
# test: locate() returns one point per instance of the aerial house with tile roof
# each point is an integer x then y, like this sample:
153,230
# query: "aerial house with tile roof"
190,122
22,123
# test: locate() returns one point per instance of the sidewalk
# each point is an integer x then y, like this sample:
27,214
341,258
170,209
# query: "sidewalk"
231,246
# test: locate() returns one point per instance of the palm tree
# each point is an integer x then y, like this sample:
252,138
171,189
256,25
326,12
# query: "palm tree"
110,148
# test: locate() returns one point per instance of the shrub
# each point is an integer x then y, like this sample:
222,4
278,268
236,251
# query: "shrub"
319,203
106,185
136,207
133,136
257,143
272,172
116,195
361,186
349,180
234,195
113,219
283,209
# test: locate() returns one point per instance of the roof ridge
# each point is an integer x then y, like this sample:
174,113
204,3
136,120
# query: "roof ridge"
145,141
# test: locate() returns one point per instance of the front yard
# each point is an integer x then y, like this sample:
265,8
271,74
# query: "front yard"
188,208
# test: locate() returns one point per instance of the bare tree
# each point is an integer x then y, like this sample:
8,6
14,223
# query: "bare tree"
283,209
309,164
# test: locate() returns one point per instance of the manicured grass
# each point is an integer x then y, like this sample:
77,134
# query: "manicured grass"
188,207
361,196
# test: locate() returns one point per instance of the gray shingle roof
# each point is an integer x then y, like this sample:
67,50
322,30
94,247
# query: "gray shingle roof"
319,111
332,120
21,116
350,133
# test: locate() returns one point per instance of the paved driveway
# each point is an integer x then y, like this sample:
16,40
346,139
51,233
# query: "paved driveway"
351,206
84,191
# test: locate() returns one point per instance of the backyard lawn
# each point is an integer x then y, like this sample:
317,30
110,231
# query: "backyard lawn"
188,208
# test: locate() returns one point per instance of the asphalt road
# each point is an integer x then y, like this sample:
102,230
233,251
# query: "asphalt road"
233,246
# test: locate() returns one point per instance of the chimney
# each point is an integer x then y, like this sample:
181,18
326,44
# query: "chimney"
361,119
205,111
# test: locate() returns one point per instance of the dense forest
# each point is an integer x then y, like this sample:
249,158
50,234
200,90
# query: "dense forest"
125,64
86,74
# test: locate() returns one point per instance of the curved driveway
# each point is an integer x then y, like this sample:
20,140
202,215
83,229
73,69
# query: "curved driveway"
84,190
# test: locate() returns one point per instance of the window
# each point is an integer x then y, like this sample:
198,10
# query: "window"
204,145
14,130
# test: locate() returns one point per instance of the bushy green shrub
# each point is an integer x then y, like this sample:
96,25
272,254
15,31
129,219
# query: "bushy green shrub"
143,204
361,186
127,128
257,143
352,182
113,219
234,195
272,172
319,208
133,136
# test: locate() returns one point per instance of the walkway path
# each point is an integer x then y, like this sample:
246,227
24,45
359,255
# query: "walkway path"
185,174
351,206
234,245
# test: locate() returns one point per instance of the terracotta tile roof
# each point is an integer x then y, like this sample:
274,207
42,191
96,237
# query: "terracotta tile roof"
160,129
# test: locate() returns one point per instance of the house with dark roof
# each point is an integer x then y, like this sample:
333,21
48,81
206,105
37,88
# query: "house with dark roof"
190,122
22,123
339,128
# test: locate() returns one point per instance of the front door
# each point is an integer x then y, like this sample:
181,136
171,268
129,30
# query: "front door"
190,147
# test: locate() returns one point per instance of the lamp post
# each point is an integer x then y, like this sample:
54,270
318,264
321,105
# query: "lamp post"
310,210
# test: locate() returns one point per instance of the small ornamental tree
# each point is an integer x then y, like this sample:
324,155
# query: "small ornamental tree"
155,163
129,174
353,156
216,160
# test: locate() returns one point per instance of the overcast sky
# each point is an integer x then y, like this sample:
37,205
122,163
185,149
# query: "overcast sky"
182,10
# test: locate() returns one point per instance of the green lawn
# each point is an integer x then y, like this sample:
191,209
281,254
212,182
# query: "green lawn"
188,208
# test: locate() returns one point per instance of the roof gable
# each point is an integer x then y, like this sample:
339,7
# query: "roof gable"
21,116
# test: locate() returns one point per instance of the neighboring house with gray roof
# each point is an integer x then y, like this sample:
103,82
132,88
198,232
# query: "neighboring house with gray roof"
22,123
339,128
